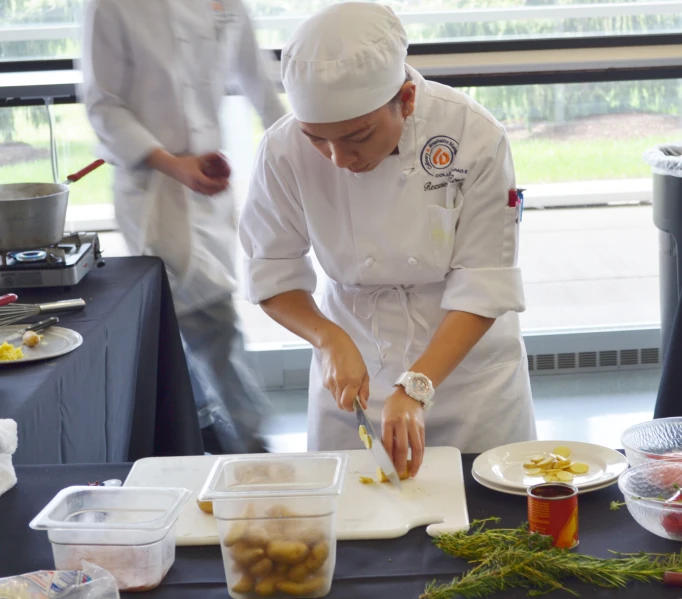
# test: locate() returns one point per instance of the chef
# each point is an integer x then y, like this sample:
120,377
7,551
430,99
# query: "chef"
155,73
405,191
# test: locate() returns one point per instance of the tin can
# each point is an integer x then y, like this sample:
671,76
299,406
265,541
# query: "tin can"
553,511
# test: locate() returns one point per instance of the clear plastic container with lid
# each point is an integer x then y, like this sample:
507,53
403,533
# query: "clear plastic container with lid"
128,531
276,518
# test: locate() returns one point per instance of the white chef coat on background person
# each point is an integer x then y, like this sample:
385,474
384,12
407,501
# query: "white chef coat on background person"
155,73
401,245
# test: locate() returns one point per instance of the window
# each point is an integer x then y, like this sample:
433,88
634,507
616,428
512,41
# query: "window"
462,20
39,29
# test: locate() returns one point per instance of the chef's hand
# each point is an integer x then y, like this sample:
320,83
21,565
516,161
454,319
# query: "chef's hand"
344,371
207,174
402,428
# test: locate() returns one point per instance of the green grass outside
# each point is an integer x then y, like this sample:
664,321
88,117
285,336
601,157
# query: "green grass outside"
538,160
548,161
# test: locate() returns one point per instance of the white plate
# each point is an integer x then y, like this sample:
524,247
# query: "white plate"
581,491
57,341
503,466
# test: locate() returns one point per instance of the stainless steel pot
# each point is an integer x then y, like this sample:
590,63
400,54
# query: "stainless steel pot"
33,215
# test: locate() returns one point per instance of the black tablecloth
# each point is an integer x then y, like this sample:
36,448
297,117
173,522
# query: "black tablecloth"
125,393
398,569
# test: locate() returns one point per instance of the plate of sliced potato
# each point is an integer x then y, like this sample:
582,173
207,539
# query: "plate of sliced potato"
520,465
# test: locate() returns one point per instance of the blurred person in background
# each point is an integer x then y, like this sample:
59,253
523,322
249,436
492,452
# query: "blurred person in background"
155,73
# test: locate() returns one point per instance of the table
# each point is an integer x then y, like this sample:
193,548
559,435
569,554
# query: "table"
125,393
397,568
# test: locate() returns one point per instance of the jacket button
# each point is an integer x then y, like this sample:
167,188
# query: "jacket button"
369,262
412,261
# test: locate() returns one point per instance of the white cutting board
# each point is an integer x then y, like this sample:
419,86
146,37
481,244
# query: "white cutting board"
379,511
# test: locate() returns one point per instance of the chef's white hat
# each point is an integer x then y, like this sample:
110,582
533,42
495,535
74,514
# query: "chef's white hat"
343,62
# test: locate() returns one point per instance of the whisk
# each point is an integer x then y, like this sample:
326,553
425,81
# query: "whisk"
13,313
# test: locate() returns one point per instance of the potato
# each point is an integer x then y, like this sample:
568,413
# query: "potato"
298,573
366,480
256,536
282,569
205,506
381,475
565,477
299,589
261,568
287,552
279,511
544,464
318,556
309,534
245,555
268,586
578,468
362,431
31,339
564,452
236,533
240,527
534,472
367,441
245,585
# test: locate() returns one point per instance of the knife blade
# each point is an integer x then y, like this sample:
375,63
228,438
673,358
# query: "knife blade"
377,448
36,328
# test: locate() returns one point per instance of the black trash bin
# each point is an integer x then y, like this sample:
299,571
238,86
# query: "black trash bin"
666,166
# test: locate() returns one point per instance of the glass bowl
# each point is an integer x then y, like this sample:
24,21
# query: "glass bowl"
653,497
654,440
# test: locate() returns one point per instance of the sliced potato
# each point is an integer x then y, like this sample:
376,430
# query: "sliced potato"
579,468
366,480
545,463
362,431
563,451
534,472
561,464
538,457
550,478
565,477
367,440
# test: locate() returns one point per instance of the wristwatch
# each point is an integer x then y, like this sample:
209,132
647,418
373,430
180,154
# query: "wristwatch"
417,386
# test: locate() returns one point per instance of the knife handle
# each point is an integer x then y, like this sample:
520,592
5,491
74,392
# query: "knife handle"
43,324
62,306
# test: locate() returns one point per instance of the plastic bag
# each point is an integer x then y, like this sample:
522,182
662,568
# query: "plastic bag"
665,159
90,583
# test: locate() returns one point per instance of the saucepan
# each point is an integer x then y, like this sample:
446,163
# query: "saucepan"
33,215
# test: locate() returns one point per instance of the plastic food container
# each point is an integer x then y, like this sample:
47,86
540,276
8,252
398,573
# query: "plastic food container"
129,532
276,519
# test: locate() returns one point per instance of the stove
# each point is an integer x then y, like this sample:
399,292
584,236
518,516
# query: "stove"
61,265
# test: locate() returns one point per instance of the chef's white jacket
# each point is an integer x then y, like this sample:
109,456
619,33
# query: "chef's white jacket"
428,231
155,72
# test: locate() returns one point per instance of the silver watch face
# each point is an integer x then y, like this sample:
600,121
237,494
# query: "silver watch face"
419,386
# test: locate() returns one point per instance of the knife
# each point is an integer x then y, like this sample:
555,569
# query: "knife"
36,328
377,447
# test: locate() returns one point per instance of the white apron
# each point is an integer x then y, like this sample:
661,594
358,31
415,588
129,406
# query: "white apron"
484,403
428,231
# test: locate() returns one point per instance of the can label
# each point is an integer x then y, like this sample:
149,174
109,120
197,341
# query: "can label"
553,511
